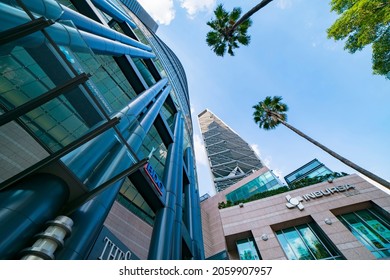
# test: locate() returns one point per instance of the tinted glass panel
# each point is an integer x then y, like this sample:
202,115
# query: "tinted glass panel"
247,249
306,242
371,229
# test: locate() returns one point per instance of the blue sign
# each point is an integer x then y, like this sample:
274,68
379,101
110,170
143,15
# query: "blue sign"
155,179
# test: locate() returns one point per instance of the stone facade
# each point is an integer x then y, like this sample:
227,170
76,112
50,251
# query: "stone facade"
130,229
261,218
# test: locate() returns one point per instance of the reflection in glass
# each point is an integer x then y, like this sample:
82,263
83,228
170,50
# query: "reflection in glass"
307,242
371,228
247,249
263,183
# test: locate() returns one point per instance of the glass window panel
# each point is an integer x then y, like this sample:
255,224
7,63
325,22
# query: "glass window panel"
21,75
131,193
257,185
306,242
247,249
316,247
297,244
371,229
285,246
132,200
378,225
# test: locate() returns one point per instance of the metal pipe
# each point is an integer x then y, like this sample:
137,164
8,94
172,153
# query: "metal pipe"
53,10
198,237
25,207
89,218
83,160
162,237
138,135
114,12
49,8
77,40
48,241
89,25
189,195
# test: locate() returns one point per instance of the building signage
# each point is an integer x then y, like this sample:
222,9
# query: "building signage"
293,202
112,252
108,247
155,179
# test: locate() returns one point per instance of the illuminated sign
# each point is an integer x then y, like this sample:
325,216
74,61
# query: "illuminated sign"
155,179
297,201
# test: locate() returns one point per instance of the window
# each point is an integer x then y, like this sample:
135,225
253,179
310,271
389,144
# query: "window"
263,183
247,249
371,228
307,242
130,198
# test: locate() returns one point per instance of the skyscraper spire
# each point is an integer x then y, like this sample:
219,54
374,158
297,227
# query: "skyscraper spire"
230,157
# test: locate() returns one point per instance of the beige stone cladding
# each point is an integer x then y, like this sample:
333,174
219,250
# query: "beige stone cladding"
261,218
131,230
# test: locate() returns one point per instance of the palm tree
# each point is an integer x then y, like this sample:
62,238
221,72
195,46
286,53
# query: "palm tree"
229,29
271,111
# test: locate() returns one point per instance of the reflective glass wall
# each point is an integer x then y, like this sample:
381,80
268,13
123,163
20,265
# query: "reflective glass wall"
264,182
371,228
307,242
247,249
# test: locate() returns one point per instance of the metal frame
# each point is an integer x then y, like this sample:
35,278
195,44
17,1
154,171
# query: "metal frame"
42,99
57,155
71,207
24,30
89,92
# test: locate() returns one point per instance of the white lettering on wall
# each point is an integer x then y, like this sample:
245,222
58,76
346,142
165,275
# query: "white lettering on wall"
114,253
326,192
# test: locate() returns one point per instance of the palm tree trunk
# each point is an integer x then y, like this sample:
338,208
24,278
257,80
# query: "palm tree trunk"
250,13
339,157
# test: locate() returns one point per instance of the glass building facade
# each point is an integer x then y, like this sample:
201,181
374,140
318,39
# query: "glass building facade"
247,249
307,242
231,158
371,228
311,169
94,109
265,182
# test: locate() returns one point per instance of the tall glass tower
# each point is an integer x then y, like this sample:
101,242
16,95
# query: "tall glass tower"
230,157
96,149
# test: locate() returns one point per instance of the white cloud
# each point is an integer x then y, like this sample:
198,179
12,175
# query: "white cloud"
195,6
200,151
267,161
256,149
284,4
278,174
162,11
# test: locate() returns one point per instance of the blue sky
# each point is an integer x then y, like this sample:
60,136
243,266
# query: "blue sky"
332,95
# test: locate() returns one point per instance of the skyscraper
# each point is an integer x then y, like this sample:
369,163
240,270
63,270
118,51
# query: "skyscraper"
96,153
231,158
